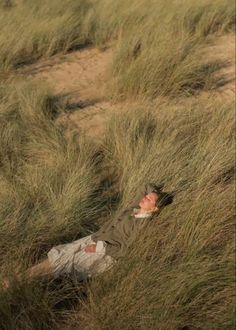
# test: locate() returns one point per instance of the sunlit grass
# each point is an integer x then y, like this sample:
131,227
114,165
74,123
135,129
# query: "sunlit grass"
159,48
179,269
57,187
180,272
47,181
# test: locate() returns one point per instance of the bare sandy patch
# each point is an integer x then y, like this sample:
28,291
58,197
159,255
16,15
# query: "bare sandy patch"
80,78
80,73
223,50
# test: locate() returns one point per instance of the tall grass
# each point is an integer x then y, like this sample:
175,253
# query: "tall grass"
180,272
49,194
160,49
162,53
35,29
47,182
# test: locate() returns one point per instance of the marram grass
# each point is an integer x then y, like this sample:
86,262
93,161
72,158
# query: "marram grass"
180,272
159,48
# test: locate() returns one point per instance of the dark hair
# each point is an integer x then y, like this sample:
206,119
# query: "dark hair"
164,199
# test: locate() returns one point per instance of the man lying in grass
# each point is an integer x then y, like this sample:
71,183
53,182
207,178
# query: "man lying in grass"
96,253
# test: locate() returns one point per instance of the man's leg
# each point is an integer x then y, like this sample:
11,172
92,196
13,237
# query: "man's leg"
69,258
42,269
60,261
76,258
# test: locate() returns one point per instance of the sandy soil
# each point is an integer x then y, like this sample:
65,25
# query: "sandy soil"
224,51
79,77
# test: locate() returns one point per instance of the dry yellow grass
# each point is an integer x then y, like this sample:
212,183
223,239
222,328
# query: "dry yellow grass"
180,271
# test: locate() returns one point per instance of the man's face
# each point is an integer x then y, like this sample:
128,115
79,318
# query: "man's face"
148,202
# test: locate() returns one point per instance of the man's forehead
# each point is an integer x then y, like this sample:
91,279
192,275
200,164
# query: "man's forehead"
153,195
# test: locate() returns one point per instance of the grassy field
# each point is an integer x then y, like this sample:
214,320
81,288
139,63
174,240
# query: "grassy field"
180,272
159,47
56,188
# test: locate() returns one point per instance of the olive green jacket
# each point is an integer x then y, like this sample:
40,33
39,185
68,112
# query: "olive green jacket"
122,231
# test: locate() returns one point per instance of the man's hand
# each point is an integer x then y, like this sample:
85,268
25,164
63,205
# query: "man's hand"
90,248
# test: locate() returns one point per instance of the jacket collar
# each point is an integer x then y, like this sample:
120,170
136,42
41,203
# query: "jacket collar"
141,215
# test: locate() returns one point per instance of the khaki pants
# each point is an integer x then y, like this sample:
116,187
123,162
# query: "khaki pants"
71,258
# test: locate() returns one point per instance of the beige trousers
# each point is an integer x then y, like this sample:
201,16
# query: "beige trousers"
71,258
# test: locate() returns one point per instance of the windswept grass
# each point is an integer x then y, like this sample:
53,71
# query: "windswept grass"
160,48
48,196
47,182
31,30
180,272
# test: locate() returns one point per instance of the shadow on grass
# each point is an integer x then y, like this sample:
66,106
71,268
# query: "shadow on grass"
41,304
67,103
81,104
107,193
28,63
7,4
227,177
26,60
56,104
53,106
77,47
209,78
